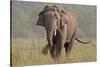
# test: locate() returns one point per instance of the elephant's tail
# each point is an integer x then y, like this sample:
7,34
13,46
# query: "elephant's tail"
81,41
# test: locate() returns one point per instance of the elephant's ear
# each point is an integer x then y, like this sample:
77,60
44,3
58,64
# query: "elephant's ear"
63,19
41,20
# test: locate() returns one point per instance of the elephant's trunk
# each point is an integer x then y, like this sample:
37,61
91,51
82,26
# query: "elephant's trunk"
49,37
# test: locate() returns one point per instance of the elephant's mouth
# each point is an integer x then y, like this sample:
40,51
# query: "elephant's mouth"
55,37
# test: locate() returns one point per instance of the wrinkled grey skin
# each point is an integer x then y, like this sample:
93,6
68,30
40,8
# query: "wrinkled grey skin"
60,28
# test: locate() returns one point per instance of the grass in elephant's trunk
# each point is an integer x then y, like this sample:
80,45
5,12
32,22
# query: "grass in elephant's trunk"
46,49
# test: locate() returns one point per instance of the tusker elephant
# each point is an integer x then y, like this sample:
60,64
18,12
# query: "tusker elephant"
61,27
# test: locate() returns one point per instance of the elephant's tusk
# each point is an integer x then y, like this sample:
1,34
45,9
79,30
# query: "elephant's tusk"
55,32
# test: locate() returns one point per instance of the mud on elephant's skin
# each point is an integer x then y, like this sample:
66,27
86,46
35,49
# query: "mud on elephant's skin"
60,26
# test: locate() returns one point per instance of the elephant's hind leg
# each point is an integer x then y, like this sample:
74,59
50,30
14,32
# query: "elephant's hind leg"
68,46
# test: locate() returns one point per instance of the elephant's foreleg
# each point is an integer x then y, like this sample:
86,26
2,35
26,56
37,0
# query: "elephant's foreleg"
58,47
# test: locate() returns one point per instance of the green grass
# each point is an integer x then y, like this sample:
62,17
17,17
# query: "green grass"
28,52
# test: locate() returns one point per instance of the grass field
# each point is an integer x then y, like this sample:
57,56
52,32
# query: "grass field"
28,52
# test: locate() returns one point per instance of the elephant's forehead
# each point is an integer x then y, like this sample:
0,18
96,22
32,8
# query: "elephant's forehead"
49,15
50,9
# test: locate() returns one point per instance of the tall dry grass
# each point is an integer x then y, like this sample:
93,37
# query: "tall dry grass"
28,52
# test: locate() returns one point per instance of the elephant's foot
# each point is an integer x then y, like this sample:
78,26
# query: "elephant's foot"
45,49
54,54
56,57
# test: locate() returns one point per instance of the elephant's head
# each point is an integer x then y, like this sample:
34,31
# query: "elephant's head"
51,19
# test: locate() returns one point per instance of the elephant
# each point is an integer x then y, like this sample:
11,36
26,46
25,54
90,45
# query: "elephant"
61,27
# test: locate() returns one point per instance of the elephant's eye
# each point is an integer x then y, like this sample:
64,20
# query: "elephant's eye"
57,17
